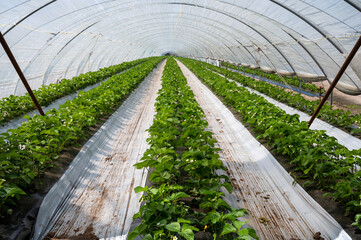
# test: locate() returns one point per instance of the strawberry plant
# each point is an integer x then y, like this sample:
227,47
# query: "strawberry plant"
336,117
27,151
321,159
15,106
185,199
293,81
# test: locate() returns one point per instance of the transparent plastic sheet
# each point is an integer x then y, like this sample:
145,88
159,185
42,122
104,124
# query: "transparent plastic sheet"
61,39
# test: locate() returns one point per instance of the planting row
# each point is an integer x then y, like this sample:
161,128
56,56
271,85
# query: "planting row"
320,158
185,199
336,117
293,81
14,106
27,151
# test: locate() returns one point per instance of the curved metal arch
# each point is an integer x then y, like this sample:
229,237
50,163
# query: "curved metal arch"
353,5
235,5
45,77
199,43
311,55
246,24
228,32
41,49
47,72
191,27
28,15
331,59
218,1
313,6
185,4
309,23
143,37
199,30
239,32
156,3
274,22
157,34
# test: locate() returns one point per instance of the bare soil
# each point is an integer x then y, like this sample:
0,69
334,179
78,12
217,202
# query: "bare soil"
87,235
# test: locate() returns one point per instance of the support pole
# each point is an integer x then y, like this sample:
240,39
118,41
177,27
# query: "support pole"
335,81
20,73
300,84
331,98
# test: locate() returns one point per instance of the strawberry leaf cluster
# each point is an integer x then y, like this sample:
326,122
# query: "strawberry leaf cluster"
25,152
185,199
320,158
15,106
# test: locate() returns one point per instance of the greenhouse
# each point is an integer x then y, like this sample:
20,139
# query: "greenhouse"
169,119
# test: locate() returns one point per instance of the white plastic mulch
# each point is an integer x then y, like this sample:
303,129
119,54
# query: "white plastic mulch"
95,196
278,210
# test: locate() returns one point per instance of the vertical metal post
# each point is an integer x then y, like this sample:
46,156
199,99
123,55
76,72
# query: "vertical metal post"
331,98
20,73
300,85
337,78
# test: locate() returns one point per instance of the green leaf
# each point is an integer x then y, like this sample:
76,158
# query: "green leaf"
239,212
238,224
141,165
212,216
182,220
228,228
148,237
229,216
173,227
132,235
187,234
154,191
252,233
186,226
141,189
178,195
228,186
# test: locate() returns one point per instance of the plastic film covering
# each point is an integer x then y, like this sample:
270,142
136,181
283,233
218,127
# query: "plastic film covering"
57,39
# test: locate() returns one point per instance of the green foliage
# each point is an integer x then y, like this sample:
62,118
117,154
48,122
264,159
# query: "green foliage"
27,151
336,117
185,196
14,106
293,81
325,162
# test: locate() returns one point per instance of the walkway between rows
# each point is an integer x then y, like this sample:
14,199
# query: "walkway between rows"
278,210
95,196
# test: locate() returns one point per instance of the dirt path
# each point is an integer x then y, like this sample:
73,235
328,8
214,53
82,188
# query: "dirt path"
278,210
95,197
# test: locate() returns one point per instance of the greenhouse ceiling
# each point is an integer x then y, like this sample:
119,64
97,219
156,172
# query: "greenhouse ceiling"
62,38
